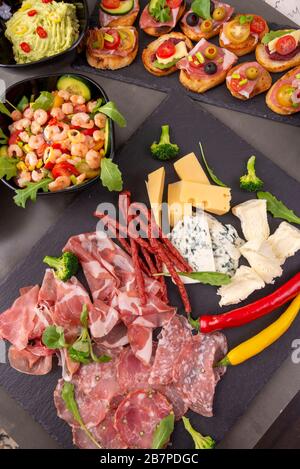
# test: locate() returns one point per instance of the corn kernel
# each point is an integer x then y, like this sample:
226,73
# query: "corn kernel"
22,166
31,168
27,148
39,164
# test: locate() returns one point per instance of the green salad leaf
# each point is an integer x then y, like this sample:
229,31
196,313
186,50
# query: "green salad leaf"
30,192
161,12
111,175
210,171
3,137
201,8
215,279
278,209
23,103
44,101
201,442
54,337
8,167
111,110
268,37
246,19
163,432
4,110
165,66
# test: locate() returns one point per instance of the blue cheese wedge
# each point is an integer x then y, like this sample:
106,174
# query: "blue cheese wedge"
244,282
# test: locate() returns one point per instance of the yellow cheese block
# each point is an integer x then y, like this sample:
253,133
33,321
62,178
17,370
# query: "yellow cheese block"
177,210
214,199
188,168
155,188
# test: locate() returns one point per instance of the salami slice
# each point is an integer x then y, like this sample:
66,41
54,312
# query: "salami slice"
194,372
138,416
132,373
170,391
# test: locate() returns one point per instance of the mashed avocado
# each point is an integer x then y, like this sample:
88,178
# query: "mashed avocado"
38,30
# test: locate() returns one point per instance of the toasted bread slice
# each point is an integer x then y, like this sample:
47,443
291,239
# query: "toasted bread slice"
152,48
202,85
191,34
124,20
263,83
275,106
275,66
160,30
113,62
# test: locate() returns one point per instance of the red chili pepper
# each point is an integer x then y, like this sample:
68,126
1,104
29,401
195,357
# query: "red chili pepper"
41,32
25,47
32,13
64,169
49,164
239,316
53,121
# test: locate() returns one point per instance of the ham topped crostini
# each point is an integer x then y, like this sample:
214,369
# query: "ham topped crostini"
161,16
118,12
205,19
242,34
284,96
205,67
280,50
247,80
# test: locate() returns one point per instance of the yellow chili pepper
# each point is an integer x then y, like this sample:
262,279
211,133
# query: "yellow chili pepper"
264,339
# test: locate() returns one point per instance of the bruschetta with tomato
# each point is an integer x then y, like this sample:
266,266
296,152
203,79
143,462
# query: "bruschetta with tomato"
161,56
205,66
246,80
118,12
111,48
242,34
205,19
284,96
161,16
279,50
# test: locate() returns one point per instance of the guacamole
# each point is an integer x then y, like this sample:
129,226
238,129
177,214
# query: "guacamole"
41,29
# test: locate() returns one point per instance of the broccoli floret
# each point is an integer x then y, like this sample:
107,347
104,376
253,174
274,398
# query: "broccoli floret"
250,182
200,441
164,149
65,266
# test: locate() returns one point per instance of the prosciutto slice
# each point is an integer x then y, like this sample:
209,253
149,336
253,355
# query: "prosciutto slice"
147,21
229,12
26,361
223,60
251,84
105,19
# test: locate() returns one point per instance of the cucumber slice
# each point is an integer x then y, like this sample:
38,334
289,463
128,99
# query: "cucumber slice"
107,137
125,7
74,85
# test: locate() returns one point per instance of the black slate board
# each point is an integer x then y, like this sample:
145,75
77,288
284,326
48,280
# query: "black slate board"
227,153
219,96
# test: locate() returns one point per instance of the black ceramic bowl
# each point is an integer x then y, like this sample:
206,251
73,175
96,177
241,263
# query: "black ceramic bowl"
48,83
6,50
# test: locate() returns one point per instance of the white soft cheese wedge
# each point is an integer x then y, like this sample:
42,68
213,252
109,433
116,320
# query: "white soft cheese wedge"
272,44
254,219
244,282
262,259
285,241
180,52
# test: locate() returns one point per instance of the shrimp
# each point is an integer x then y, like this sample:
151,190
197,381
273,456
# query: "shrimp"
12,128
90,142
15,151
77,99
40,116
100,120
60,183
79,108
16,115
24,136
91,106
28,113
37,175
82,120
99,135
22,124
61,134
67,108
35,128
81,178
79,149
62,158
23,179
36,141
64,94
93,159
57,113
31,159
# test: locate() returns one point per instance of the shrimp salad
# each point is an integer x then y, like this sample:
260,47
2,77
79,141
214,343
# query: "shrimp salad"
66,142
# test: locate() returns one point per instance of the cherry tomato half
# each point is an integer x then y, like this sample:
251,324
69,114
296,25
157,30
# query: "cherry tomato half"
257,25
14,138
236,32
166,50
47,1
237,84
174,3
284,95
111,4
64,169
116,40
286,44
41,32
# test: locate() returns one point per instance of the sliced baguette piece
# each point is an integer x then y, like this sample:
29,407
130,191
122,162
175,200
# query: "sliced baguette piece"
191,34
160,30
152,48
275,106
263,83
124,20
203,84
275,66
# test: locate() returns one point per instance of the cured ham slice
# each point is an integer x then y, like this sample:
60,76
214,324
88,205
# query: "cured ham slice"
102,318
105,18
194,372
140,339
116,338
131,372
247,89
147,21
138,415
170,391
27,362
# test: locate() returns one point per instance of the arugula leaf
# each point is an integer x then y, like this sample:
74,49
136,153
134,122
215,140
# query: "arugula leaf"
164,66
210,171
84,316
278,209
4,110
163,432
160,11
44,101
216,279
194,323
110,175
80,356
268,37
246,19
201,442
3,137
110,110
22,104
68,395
8,167
30,192
97,107
54,337
201,8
